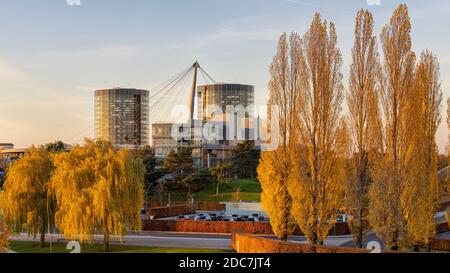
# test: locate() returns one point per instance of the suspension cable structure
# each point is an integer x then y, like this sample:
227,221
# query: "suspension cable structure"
178,90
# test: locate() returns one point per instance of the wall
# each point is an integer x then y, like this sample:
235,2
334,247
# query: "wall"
440,245
244,208
262,228
245,243
207,227
442,228
163,212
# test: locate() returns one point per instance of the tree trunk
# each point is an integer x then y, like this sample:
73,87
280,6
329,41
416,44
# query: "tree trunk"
106,247
42,239
360,238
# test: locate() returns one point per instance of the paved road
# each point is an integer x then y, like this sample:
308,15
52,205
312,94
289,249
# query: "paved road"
205,241
184,240
157,239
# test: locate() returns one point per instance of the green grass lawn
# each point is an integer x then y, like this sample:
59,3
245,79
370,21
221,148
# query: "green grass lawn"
250,191
33,247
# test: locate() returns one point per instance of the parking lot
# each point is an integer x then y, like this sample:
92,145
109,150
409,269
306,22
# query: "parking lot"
219,216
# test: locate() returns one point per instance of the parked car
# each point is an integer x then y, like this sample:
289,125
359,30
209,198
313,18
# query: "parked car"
211,217
251,219
200,217
180,217
341,218
235,218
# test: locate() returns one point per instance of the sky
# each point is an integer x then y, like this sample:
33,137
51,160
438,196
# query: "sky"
55,53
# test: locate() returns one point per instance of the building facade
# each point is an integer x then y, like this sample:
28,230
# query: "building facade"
121,116
6,146
7,157
212,97
225,118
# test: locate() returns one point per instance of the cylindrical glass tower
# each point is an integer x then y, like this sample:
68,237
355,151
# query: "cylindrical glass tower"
121,116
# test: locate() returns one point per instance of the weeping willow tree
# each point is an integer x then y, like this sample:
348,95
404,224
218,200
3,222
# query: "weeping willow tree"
98,189
3,236
27,202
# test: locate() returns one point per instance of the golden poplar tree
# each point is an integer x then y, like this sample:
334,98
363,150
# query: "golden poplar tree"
363,123
275,199
423,181
389,195
447,180
275,166
316,180
26,201
98,189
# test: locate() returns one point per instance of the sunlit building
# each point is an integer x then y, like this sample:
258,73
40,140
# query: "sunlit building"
225,114
222,95
8,156
121,116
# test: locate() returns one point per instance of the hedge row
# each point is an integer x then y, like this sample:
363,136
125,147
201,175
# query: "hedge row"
442,228
207,227
210,206
440,245
184,209
245,243
163,212
262,228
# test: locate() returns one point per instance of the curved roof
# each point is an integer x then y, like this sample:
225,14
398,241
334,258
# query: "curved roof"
14,151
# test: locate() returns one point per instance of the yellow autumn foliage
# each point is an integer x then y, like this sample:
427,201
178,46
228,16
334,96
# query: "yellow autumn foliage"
4,233
26,201
98,189
275,197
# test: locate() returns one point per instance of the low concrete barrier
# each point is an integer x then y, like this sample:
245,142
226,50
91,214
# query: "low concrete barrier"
246,243
182,209
261,228
207,227
442,228
163,212
440,245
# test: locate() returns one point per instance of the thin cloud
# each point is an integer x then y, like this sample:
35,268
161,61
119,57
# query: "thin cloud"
245,29
11,74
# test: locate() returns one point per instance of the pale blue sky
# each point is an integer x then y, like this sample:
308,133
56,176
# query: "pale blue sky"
53,55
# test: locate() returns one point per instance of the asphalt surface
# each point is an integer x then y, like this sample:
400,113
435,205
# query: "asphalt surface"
182,240
154,239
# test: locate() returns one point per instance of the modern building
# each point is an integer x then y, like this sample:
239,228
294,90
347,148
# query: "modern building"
222,95
7,157
121,116
225,114
167,137
6,146
163,140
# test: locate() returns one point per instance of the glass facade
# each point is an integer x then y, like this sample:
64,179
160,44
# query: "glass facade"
121,116
223,95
